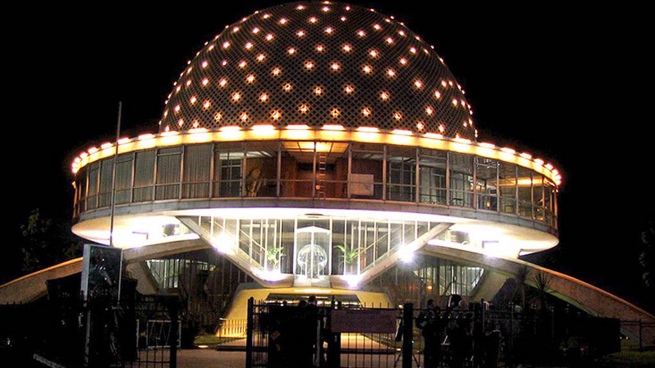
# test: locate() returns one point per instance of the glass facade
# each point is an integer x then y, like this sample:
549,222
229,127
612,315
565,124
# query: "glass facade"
338,238
319,170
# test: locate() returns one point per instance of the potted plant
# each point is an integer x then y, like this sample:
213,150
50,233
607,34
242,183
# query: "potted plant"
273,255
350,256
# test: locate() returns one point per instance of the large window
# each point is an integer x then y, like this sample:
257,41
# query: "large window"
432,168
401,174
169,167
196,171
273,169
144,175
461,180
486,187
229,170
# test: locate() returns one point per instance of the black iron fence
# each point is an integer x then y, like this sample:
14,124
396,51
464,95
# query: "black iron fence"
333,337
147,332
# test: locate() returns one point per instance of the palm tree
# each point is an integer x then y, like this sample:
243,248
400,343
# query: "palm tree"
542,284
349,256
273,255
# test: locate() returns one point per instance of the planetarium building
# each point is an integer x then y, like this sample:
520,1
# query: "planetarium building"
315,148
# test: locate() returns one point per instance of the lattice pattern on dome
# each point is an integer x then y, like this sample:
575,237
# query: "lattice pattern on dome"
318,63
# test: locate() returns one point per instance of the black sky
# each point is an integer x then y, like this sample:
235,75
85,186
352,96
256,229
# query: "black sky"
563,83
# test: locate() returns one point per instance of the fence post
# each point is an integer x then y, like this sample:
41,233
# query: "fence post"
249,332
174,333
408,328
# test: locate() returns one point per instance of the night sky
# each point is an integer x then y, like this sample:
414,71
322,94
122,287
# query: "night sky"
565,84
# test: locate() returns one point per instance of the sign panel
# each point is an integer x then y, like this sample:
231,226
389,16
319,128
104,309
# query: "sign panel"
364,320
101,273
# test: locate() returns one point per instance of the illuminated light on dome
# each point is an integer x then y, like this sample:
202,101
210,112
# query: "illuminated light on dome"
218,61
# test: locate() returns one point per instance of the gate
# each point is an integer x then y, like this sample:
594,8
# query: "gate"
281,336
157,334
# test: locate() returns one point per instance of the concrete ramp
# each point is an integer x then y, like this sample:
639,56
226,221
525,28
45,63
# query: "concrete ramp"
31,287
578,293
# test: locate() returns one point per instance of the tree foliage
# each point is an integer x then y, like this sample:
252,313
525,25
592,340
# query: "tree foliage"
647,255
47,242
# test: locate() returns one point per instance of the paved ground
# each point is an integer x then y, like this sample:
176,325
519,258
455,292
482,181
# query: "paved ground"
210,358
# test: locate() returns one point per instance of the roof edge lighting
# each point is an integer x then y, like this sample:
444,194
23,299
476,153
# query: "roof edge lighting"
330,132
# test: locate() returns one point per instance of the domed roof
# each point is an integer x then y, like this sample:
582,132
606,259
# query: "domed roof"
319,63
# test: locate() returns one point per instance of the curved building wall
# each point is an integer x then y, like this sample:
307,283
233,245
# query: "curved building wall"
372,172
335,170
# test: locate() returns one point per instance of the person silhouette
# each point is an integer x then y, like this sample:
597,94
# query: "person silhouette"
429,321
